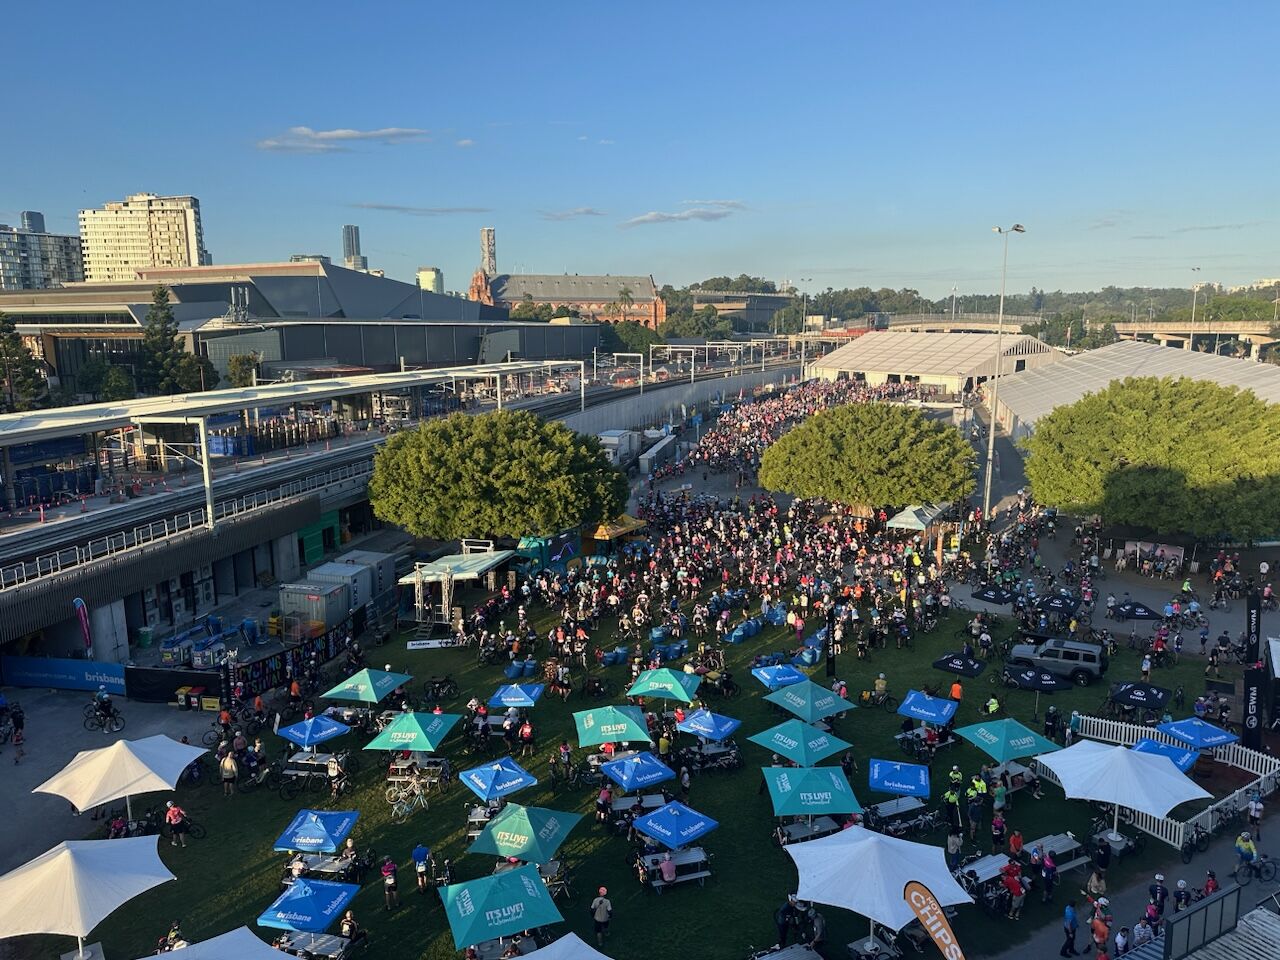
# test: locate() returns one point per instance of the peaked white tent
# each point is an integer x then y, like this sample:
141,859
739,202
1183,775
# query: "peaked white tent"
239,944
568,947
1147,782
866,872
125,768
72,888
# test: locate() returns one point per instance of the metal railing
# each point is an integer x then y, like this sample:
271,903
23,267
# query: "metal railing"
74,557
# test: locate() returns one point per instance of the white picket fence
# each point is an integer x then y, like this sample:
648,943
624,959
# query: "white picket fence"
1265,769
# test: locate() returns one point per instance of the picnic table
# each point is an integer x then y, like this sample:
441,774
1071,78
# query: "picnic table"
328,945
1121,844
692,863
309,762
1019,775
596,759
802,830
552,873
650,801
917,733
320,866
493,949
478,816
876,948
710,750
797,951
897,807
988,868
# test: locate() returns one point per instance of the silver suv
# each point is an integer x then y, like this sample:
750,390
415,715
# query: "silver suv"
1082,663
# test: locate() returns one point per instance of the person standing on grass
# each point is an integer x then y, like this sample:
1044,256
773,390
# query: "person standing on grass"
230,771
176,818
389,884
601,914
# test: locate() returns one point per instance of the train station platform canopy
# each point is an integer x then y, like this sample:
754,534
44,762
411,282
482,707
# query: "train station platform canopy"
36,425
1027,396
948,360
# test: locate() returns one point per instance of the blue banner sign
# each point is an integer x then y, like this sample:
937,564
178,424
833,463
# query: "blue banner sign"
62,674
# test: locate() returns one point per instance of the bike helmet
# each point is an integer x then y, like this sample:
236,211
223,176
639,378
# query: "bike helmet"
169,804
1103,902
1210,875
1159,878
1182,884
1245,835
102,687
882,676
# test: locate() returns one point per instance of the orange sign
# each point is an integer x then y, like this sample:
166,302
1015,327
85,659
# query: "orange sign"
933,918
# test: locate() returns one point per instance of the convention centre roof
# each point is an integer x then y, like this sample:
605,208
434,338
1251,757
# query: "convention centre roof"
1032,394
932,354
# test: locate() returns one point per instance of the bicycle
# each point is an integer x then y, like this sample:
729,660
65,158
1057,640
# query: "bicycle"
402,810
1262,867
1198,842
213,736
886,700
111,724
439,688
1226,820
195,831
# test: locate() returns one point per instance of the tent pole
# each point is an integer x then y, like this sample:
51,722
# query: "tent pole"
80,948
1035,711
871,937
1115,823
128,807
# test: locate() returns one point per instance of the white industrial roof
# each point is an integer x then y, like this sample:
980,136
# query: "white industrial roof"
1256,935
1032,394
929,354
35,425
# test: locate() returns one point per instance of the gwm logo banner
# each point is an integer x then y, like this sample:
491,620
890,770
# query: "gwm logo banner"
933,918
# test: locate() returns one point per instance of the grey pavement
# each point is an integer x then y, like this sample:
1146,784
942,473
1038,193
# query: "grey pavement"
55,733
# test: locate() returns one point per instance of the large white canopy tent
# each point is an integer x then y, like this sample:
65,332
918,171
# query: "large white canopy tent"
72,888
568,947
1147,782
123,769
237,944
866,872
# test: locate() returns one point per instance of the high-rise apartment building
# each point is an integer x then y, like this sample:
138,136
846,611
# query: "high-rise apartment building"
351,257
141,231
431,279
489,251
31,259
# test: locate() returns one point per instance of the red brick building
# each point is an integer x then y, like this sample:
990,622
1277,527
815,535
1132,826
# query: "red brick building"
599,299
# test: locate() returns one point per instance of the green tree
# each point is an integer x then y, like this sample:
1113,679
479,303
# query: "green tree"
627,337
1163,455
241,369
871,454
625,302
90,376
25,387
161,353
194,374
497,474
564,310
116,385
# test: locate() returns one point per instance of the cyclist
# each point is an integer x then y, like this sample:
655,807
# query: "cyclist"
1210,883
422,866
1246,850
881,688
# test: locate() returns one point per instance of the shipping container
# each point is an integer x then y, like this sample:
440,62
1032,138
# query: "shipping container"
322,604
357,576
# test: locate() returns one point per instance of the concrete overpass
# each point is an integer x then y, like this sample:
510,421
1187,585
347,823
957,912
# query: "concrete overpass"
1203,334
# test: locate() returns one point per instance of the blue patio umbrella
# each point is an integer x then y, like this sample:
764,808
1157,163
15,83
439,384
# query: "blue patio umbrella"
921,706
777,677
317,831
415,731
308,905
708,725
904,779
497,779
799,742
516,695
1194,732
636,773
809,701
809,791
499,905
307,733
1182,758
368,686
675,825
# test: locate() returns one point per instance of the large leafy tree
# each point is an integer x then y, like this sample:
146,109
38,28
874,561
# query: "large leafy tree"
867,454
241,368
1169,456
498,474
24,387
627,337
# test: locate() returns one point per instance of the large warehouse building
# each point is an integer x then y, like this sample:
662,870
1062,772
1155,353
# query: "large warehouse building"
1028,396
951,361
308,313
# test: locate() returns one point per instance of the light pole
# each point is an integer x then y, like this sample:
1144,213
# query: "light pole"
995,380
1195,289
953,306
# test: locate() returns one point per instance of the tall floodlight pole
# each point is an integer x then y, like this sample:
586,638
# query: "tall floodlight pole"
995,380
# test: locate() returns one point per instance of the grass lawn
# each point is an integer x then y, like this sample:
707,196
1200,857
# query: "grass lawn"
227,879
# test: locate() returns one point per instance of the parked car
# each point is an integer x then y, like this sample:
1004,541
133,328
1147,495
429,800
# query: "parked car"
1082,663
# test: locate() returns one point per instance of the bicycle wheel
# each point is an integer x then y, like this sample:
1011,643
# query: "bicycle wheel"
196,831
290,787
1267,871
211,738
449,689
393,795
1202,841
351,765
908,745
1243,874
117,723
92,723
89,710
400,812
890,704
1188,851
316,783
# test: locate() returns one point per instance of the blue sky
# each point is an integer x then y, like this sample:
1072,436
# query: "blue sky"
850,143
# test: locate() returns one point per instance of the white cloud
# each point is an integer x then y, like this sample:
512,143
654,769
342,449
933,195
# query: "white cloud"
693,213
573,214
719,204
307,140
464,142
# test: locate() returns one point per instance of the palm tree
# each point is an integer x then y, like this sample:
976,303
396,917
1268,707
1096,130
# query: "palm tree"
625,303
613,311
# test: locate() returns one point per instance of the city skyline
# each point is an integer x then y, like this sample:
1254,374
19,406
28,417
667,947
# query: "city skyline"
878,150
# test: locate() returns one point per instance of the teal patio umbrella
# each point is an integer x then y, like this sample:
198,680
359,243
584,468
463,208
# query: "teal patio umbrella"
415,731
611,725
369,686
809,791
1005,740
809,701
667,684
498,906
532,834
799,742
